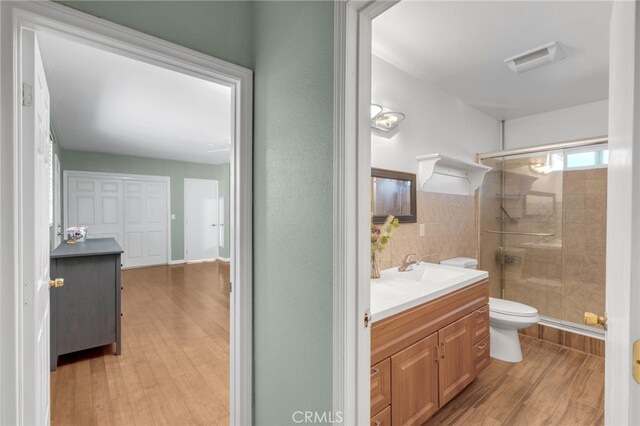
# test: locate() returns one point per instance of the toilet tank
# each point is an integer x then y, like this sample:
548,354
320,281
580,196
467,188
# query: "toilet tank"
461,262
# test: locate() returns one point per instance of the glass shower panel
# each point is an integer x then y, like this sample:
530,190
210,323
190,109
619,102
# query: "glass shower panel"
532,259
542,230
491,218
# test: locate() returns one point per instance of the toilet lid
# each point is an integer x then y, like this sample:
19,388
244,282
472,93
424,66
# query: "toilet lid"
509,307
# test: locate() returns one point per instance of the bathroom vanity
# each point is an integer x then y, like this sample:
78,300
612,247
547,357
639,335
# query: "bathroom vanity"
429,340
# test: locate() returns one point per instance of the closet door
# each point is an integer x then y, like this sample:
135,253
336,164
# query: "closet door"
97,204
133,211
145,223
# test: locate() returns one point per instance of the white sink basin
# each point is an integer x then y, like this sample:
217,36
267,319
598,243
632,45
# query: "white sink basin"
397,291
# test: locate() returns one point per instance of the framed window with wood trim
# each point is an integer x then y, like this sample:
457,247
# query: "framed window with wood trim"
393,193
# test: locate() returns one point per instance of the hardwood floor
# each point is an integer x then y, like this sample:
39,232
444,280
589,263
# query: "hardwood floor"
554,385
174,367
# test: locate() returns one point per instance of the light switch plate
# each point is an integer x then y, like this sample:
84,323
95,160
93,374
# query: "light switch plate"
422,229
173,216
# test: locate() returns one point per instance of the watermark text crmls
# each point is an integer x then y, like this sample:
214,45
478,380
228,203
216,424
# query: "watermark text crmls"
317,417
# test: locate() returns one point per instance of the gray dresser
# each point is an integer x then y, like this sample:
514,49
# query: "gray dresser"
85,310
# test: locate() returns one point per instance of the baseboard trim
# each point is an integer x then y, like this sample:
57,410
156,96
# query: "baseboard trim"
182,261
566,338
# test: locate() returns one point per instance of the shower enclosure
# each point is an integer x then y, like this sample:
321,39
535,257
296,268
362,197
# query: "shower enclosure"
542,229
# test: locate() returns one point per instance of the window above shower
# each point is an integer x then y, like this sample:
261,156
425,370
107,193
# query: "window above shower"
586,158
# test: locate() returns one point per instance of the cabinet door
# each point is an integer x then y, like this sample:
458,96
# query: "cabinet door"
480,323
414,382
86,304
380,386
455,367
481,355
383,418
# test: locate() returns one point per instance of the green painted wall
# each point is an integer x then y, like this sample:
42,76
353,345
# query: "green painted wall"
217,28
176,170
293,184
290,47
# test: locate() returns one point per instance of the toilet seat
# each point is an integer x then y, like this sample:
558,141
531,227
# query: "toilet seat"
511,308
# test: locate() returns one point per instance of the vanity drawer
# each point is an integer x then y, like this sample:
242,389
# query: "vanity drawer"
383,418
380,386
480,318
481,355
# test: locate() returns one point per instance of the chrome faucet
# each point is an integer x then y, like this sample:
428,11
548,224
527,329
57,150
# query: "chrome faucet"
407,263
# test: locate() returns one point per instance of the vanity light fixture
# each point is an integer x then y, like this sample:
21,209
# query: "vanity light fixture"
387,122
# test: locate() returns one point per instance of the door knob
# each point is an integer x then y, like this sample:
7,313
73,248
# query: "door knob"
58,282
594,320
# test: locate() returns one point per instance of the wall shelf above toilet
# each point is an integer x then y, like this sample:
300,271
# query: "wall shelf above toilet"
447,175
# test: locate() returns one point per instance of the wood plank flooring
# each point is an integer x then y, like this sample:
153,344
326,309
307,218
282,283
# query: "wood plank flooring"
554,385
174,367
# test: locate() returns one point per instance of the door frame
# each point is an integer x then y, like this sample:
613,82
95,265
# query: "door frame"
66,174
184,212
134,44
351,207
352,162
621,392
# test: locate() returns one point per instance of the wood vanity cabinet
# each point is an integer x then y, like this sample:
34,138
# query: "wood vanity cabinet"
432,352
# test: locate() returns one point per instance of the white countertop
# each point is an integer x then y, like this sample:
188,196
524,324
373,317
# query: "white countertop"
396,291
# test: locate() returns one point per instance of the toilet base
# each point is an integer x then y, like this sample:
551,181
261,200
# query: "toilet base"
505,345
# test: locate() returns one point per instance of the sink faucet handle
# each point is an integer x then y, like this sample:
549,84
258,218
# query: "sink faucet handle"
409,256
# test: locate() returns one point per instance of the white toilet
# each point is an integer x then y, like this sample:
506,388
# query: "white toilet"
505,318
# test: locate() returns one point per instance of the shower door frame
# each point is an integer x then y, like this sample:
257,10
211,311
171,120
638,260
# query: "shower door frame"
576,143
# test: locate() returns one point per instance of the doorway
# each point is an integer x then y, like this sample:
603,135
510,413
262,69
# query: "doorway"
24,20
201,220
353,56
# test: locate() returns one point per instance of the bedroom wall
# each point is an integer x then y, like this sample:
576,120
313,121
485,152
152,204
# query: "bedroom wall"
176,170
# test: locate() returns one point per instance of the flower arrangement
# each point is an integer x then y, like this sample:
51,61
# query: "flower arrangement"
380,236
76,233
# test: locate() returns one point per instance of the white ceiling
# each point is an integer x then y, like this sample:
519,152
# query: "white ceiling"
104,102
460,48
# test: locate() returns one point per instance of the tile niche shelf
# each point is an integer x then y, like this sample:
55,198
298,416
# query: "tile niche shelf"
447,175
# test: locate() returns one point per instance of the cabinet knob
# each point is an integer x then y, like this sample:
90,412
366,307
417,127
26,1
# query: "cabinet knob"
58,282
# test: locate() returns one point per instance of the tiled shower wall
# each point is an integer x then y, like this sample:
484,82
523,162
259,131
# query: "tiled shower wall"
562,275
584,245
450,230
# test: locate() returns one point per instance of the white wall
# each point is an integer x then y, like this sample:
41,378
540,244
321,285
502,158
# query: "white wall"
577,122
435,123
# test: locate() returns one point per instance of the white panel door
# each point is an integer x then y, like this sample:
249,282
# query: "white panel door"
97,204
35,232
145,223
201,236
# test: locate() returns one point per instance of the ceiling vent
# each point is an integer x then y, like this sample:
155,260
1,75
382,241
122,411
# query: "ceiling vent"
535,58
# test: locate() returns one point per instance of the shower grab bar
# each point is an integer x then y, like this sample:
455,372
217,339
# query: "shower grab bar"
531,234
